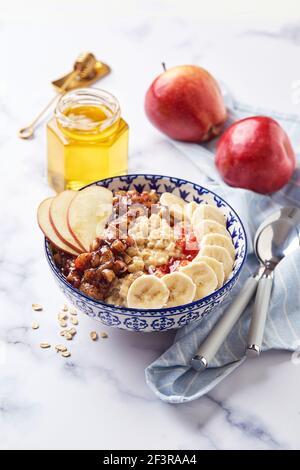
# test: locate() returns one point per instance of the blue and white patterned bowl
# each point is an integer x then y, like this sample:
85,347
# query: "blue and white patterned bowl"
159,319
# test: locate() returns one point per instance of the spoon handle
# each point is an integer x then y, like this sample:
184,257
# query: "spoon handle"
259,315
222,328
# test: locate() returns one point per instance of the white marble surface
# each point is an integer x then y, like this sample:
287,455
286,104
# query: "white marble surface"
98,399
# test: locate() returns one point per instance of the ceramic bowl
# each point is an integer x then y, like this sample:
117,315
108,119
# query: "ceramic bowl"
168,318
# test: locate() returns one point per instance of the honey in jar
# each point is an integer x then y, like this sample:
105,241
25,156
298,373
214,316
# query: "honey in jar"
87,139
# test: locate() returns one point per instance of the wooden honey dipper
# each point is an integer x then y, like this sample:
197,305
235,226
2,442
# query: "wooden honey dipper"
84,67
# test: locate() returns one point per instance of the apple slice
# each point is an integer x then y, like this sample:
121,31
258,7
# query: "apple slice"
47,228
58,217
88,210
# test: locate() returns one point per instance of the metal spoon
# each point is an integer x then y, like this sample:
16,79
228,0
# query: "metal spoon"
273,235
273,241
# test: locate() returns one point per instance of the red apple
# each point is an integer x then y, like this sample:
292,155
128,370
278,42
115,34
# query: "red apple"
185,102
255,153
88,213
48,230
58,218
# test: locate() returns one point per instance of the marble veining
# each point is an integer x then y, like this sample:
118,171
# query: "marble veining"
248,426
289,32
98,398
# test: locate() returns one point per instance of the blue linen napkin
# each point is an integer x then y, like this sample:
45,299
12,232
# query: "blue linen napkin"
170,376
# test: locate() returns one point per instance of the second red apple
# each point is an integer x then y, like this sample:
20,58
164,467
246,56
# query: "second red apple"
256,153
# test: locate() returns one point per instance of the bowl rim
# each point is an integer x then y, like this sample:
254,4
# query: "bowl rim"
156,310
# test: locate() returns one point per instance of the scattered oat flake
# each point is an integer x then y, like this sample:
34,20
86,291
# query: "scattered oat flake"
66,354
94,335
45,345
65,308
37,307
63,323
73,311
60,348
72,331
63,332
35,325
68,336
74,320
62,316
103,335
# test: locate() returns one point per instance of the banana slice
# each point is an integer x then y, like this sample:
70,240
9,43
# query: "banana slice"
203,276
215,265
220,254
175,204
209,226
147,291
219,240
181,287
168,199
190,208
208,212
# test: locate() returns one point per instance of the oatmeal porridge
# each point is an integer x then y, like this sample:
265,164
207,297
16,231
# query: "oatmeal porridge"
154,251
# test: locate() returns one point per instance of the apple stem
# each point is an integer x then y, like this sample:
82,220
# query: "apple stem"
164,66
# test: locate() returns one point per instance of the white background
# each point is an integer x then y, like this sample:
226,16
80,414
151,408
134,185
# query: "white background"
99,399
190,9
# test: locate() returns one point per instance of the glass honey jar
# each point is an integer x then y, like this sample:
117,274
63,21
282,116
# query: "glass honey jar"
87,139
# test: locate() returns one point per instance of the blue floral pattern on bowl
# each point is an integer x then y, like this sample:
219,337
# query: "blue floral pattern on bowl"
159,319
